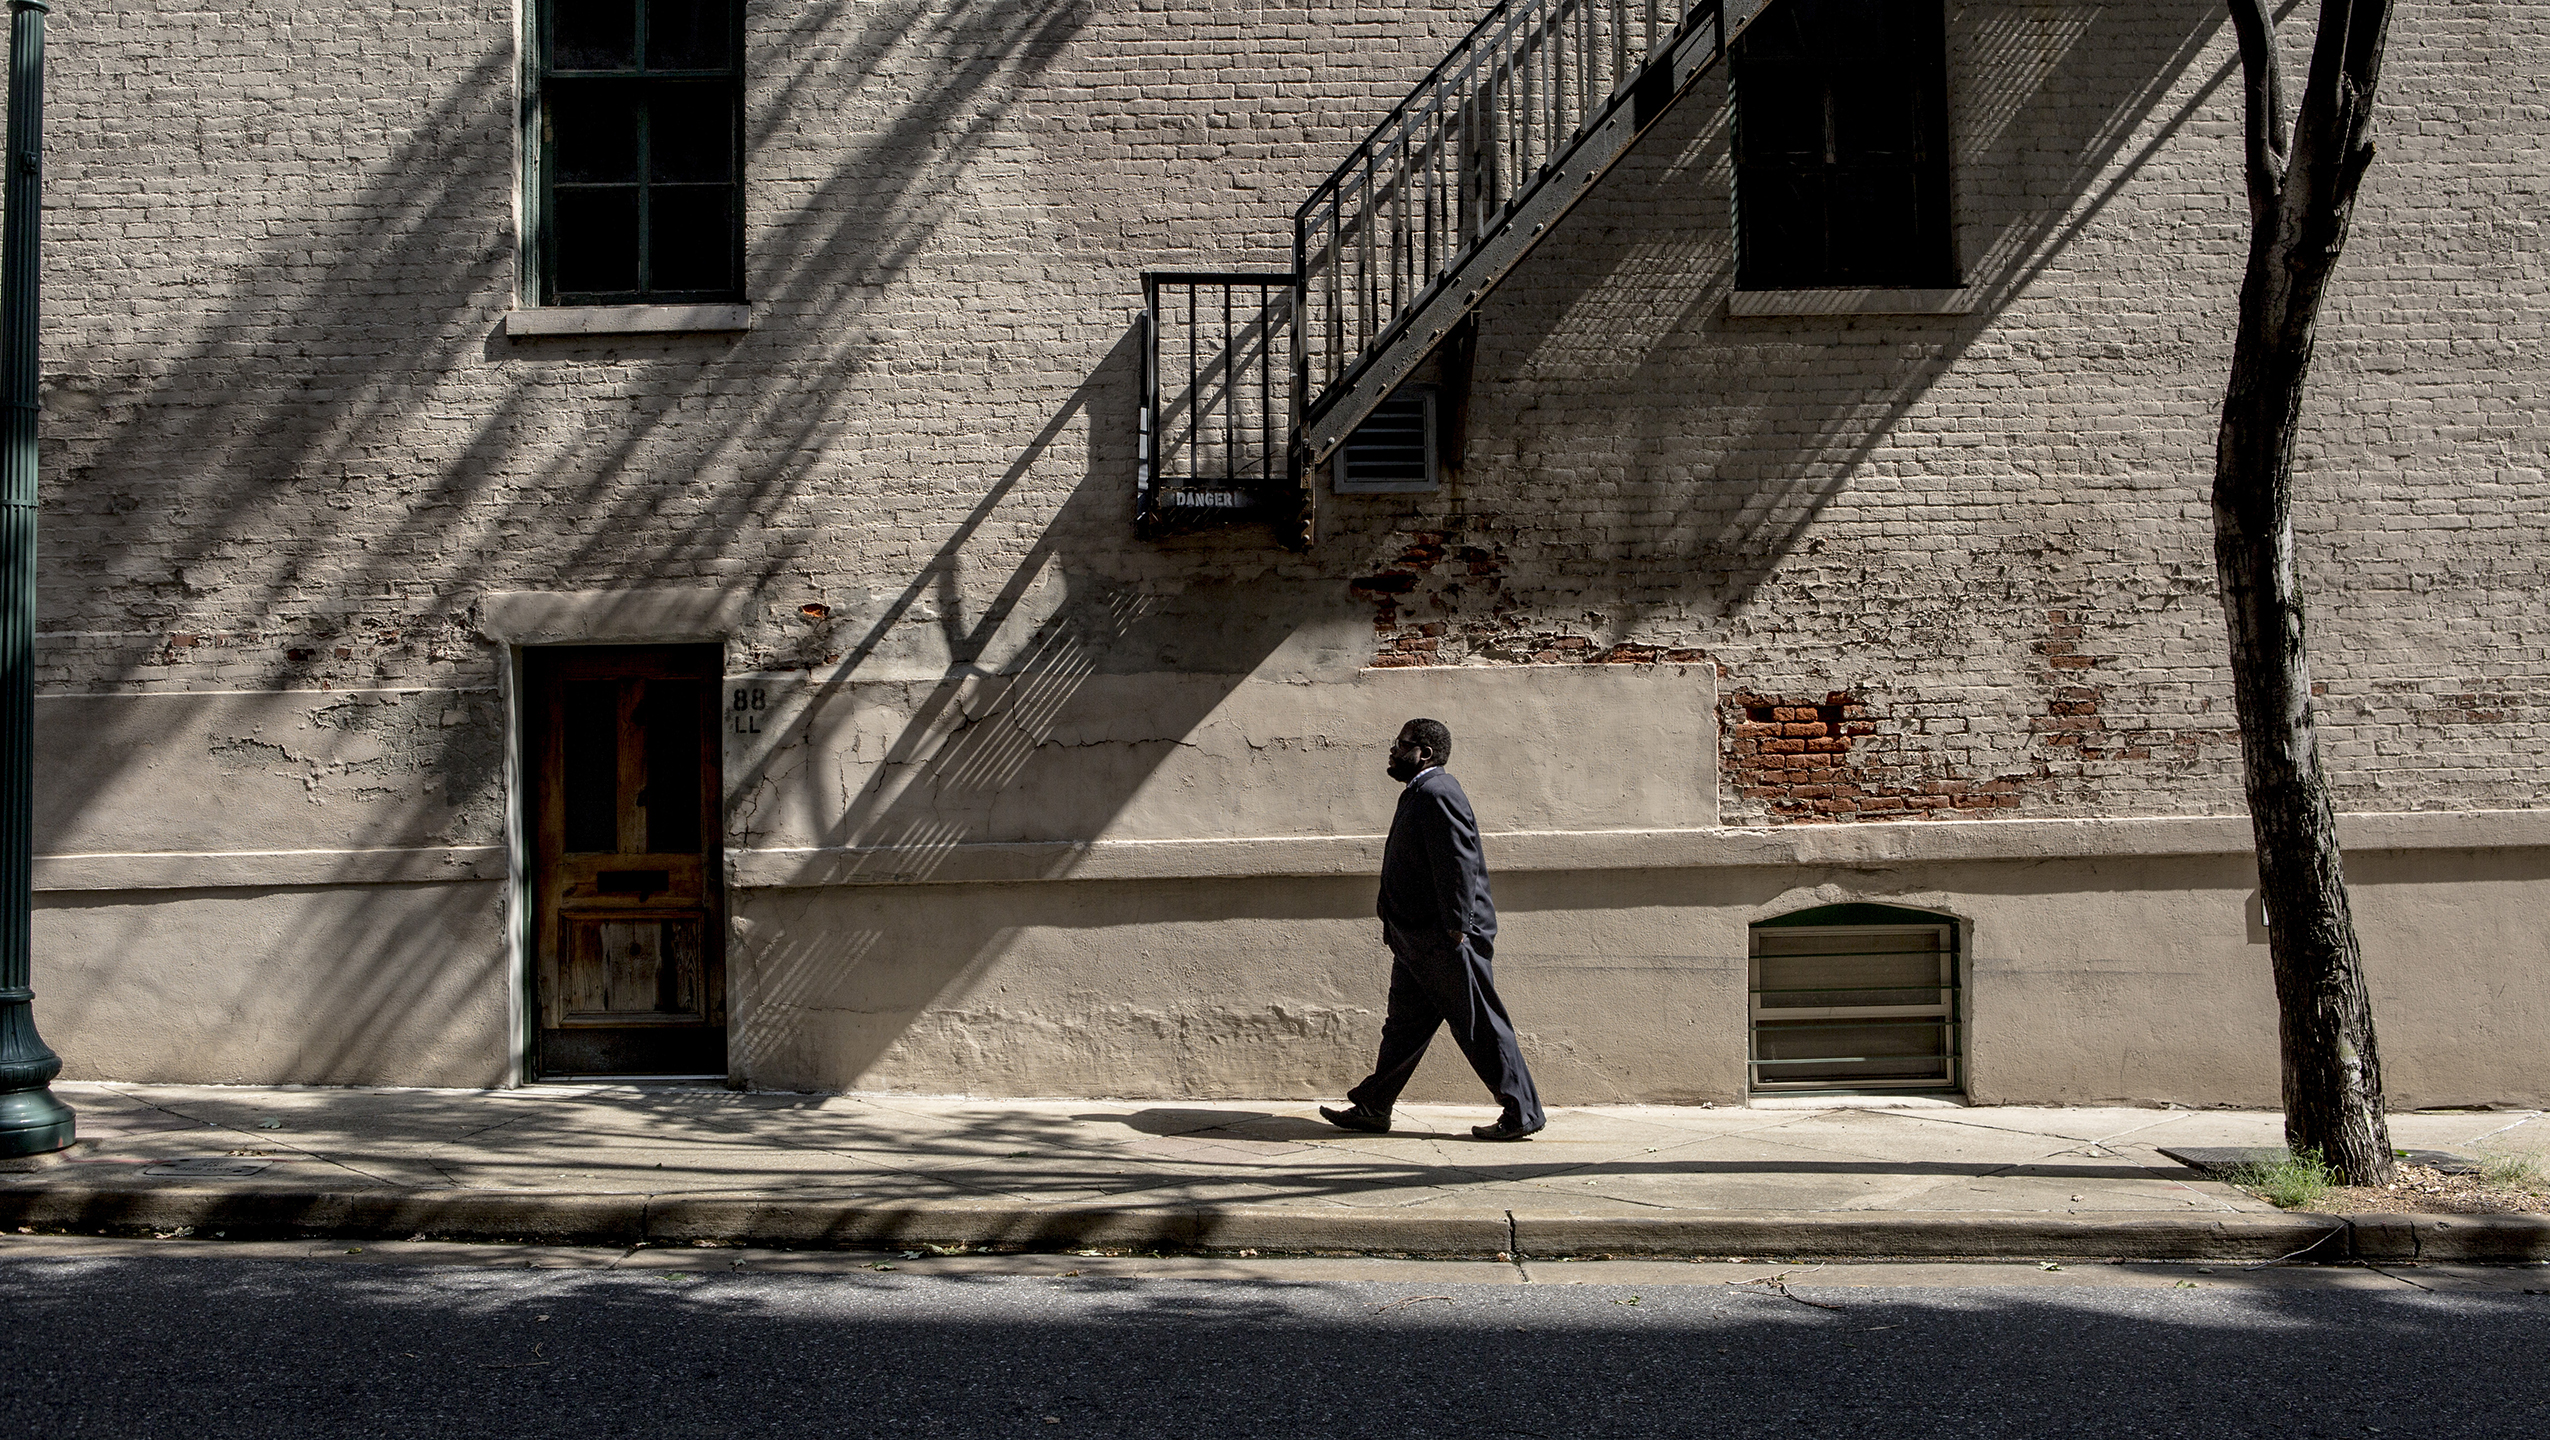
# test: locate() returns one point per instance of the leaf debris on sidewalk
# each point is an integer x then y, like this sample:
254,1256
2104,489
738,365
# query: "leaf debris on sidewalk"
1779,1284
1410,1300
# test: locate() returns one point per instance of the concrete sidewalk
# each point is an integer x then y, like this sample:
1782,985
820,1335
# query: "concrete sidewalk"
636,1164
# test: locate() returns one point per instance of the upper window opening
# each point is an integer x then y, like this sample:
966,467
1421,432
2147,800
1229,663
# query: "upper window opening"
1841,138
640,115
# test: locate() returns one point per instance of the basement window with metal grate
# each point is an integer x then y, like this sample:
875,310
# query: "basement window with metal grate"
1392,452
1855,997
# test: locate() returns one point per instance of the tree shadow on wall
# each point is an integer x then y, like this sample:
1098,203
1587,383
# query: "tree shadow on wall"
690,442
255,496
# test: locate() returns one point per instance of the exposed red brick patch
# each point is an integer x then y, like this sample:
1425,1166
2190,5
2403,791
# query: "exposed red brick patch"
1442,602
1808,758
2077,727
2468,709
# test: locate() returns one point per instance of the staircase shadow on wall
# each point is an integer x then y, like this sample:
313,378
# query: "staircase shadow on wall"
1039,731
1738,433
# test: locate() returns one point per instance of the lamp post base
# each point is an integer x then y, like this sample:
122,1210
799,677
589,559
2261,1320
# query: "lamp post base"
32,1122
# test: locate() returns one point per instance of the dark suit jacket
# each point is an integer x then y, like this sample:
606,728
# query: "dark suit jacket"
1433,874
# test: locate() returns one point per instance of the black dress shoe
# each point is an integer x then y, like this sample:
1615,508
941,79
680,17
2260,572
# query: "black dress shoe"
1507,1130
1358,1117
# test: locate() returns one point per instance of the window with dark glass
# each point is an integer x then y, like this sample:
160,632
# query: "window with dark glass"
1841,140
640,112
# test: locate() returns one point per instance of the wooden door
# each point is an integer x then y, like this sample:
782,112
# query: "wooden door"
628,896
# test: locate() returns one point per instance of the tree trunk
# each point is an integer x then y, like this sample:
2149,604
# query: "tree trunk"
2301,196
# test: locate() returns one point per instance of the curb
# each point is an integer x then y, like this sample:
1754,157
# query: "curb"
794,1222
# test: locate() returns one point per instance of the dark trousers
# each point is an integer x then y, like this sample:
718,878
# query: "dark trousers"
1435,982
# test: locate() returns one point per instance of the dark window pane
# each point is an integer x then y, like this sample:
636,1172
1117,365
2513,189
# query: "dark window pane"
671,717
1855,27
641,173
688,35
1783,115
592,34
1841,176
1875,239
691,134
1782,218
590,737
592,134
691,238
1911,27
1876,111
1784,31
596,235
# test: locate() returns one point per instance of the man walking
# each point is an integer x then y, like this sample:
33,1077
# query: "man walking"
1441,927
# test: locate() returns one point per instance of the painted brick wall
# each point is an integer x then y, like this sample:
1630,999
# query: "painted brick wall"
287,442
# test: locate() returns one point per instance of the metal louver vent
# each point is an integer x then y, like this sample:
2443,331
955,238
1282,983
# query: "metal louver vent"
1392,451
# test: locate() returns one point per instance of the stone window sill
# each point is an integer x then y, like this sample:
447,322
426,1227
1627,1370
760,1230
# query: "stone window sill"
1745,304
629,320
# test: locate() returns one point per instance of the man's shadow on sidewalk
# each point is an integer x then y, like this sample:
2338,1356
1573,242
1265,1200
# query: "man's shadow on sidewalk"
1263,1125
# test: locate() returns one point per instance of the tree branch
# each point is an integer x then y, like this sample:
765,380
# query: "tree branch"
2268,140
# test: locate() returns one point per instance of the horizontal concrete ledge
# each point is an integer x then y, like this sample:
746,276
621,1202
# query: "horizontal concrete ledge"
846,1222
1748,304
267,869
1900,843
629,320
1907,843
660,616
815,867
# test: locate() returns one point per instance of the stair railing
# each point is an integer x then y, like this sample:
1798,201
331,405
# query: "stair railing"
1215,423
1468,146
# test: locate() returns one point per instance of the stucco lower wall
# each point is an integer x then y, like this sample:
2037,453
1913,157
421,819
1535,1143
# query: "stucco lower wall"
400,984
2141,979
1201,988
2092,977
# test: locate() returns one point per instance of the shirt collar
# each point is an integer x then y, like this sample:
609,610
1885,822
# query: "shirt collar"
1420,775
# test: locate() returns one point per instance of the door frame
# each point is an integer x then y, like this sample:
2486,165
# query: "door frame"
521,1015
522,1001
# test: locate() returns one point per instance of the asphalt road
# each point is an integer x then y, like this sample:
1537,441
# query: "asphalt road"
133,1346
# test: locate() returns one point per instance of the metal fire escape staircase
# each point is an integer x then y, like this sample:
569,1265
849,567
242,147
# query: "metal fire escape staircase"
1396,249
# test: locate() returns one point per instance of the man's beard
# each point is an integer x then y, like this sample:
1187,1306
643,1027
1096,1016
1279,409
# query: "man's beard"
1403,768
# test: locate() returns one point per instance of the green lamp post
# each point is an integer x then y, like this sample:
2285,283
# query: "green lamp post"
32,1121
